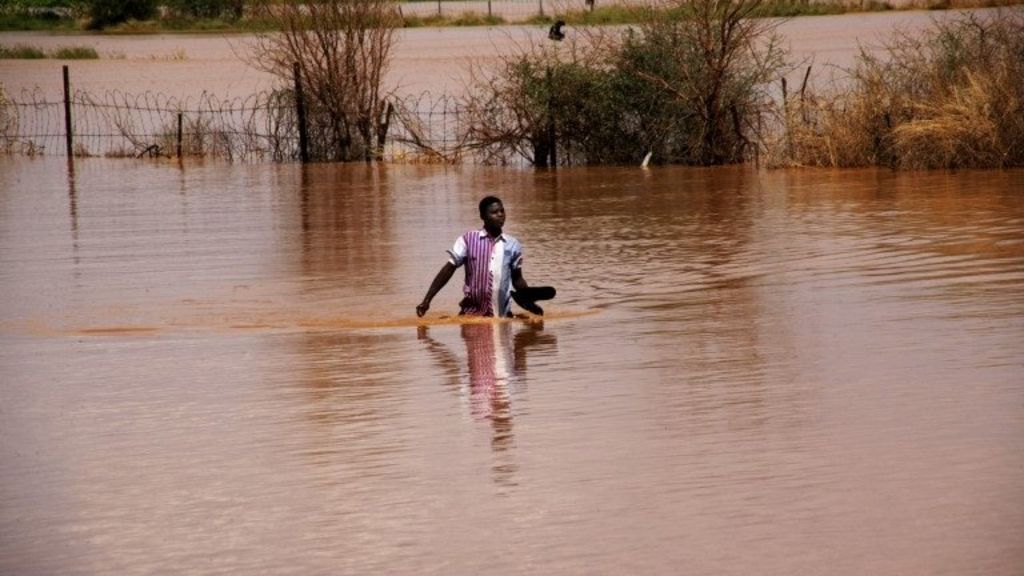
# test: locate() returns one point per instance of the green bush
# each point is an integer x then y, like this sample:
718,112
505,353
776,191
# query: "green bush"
21,52
231,9
105,13
689,86
76,53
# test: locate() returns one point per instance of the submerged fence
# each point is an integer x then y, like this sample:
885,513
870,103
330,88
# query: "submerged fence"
261,127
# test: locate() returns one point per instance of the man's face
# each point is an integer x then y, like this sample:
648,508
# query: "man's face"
494,216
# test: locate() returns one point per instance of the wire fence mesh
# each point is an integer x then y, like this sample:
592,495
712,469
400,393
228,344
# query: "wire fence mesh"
258,128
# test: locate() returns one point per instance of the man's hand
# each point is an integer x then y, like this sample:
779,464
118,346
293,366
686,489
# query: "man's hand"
422,308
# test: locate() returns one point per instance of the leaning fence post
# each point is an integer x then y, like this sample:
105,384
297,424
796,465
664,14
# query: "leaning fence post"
179,135
67,112
541,4
300,111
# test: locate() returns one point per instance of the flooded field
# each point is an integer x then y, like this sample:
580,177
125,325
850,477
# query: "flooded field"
425,59
218,369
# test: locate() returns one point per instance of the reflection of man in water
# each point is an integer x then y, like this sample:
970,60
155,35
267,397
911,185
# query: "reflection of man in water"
489,370
496,360
494,266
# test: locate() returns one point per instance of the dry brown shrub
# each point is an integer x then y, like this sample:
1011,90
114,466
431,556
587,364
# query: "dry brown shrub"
951,98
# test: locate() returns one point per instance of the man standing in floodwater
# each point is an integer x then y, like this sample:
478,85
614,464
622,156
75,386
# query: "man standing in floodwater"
494,266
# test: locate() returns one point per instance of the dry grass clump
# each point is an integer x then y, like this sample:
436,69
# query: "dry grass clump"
952,98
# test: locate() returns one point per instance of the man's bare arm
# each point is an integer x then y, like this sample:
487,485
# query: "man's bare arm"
442,278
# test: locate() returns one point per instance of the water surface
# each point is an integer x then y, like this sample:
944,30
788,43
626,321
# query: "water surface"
218,369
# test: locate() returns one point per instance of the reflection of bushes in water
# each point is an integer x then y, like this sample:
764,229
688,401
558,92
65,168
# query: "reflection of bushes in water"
690,88
951,98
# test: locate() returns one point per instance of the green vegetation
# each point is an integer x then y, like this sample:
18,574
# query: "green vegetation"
105,13
207,9
688,87
156,16
21,52
37,15
76,53
463,19
952,98
24,52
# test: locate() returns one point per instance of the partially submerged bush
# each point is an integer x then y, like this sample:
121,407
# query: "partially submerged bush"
952,98
21,52
76,53
689,86
542,102
709,63
342,49
25,52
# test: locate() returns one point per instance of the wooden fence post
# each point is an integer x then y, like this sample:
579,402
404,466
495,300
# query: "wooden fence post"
179,136
300,110
552,143
67,113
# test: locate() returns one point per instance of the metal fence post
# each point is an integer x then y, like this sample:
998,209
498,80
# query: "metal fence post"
67,113
300,110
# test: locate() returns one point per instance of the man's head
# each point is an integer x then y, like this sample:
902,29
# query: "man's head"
492,212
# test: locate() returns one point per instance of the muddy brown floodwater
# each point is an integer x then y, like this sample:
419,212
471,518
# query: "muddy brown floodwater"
218,370
425,59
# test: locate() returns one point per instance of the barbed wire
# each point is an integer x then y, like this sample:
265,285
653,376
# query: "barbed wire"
259,127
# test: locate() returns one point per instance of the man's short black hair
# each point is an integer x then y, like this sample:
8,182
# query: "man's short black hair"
487,201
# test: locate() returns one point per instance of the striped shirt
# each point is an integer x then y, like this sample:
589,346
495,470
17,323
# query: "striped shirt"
489,264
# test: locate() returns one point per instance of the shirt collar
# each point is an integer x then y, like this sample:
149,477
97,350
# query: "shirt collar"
483,232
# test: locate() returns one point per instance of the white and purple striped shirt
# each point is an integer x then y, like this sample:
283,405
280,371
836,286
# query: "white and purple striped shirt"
489,265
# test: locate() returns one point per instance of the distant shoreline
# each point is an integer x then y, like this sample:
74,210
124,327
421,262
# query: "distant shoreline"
473,13
424,59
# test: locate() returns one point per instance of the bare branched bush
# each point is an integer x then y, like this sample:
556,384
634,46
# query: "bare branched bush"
711,62
343,49
423,133
950,98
